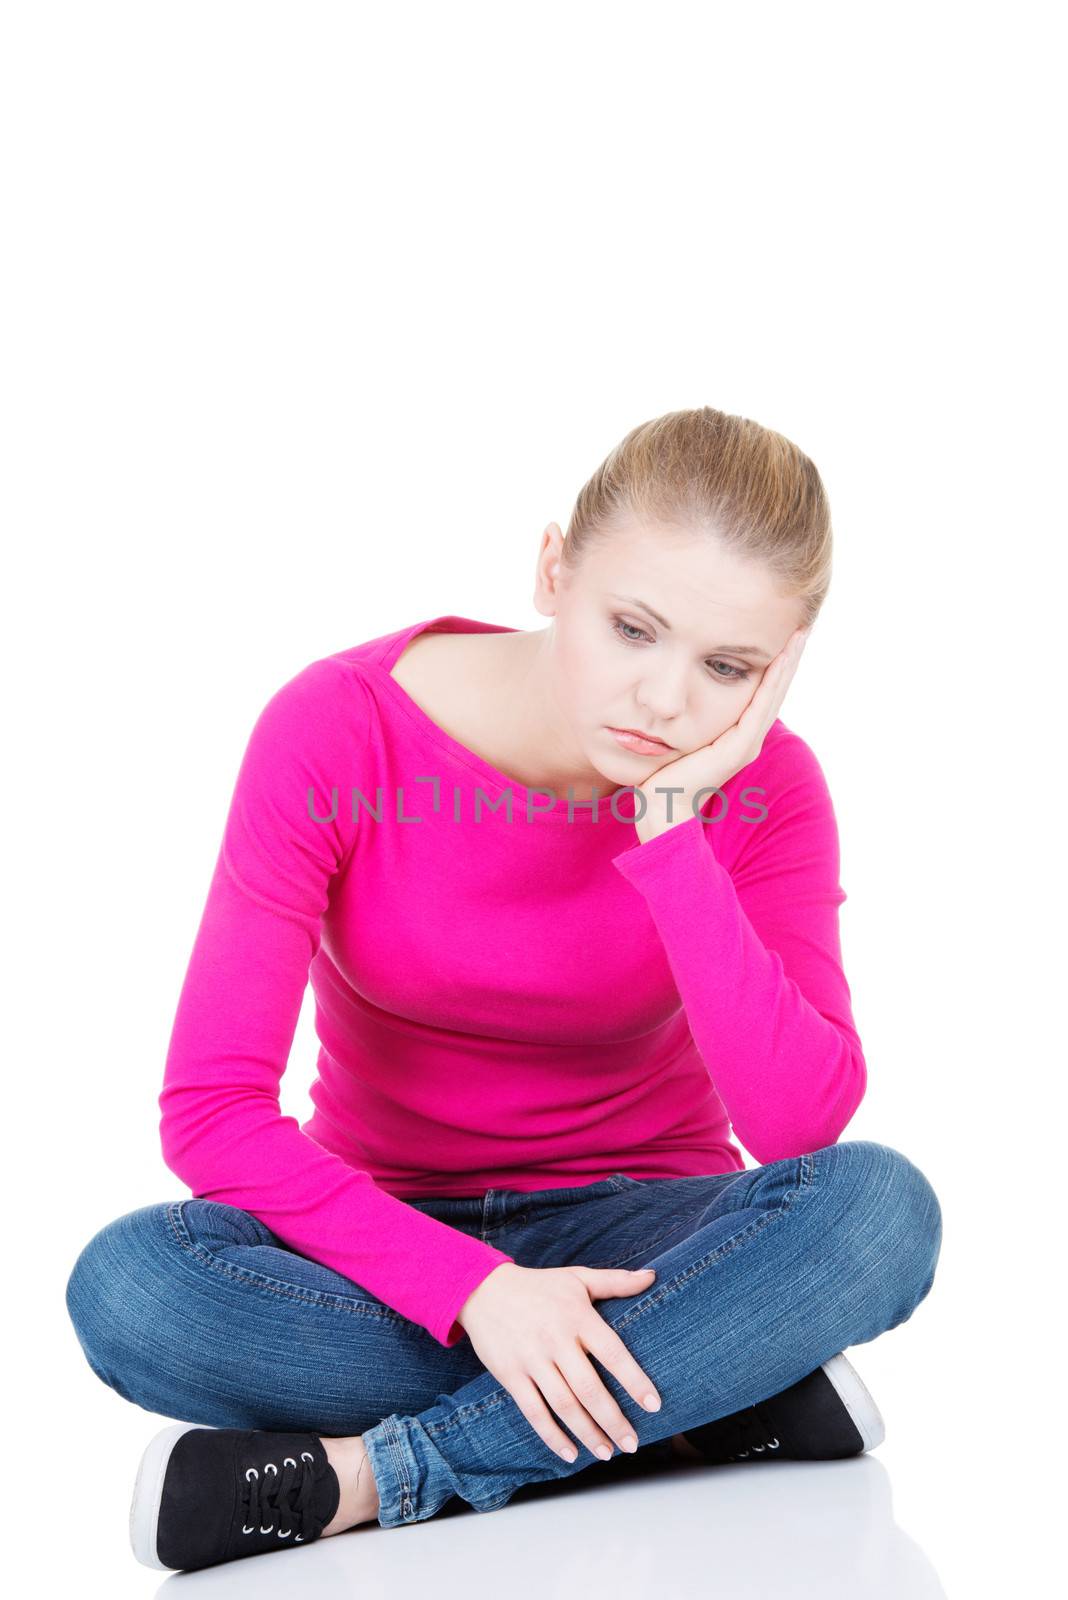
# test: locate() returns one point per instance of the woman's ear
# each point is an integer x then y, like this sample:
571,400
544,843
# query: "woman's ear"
547,572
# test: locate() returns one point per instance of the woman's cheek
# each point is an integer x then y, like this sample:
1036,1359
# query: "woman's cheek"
720,725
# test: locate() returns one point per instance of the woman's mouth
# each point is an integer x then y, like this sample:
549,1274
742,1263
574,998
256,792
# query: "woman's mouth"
639,743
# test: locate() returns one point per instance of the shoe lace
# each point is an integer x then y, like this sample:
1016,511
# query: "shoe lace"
285,1497
754,1432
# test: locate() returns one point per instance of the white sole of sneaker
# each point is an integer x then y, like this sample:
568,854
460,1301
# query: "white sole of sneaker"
148,1492
857,1401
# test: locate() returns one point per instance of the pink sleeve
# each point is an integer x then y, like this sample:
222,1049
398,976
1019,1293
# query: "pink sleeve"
756,956
221,1127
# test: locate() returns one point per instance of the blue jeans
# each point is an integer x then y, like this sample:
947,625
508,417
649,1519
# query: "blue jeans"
195,1310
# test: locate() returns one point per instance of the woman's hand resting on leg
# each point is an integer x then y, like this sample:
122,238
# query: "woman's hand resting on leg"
532,1328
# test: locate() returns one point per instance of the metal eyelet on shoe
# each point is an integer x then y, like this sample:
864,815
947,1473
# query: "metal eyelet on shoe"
270,1467
249,1472
305,1455
287,1462
772,1444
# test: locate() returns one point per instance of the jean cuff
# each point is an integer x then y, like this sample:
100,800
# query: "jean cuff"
396,1472
414,1477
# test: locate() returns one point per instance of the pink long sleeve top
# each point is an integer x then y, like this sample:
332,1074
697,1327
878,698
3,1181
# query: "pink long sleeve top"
507,994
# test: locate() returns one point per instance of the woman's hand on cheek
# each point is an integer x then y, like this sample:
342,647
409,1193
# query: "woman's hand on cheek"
710,767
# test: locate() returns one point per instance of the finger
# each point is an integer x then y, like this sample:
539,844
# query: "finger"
604,1343
794,648
784,666
528,1398
572,1395
769,708
770,692
588,1387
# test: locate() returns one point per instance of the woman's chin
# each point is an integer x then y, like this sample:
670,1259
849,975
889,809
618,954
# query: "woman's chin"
626,773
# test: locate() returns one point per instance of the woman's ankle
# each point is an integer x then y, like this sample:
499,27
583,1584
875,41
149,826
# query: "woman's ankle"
359,1492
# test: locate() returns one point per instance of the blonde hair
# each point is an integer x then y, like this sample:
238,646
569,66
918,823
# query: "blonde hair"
702,470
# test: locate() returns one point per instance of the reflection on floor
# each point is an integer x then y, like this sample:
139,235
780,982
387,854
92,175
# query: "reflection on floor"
653,1527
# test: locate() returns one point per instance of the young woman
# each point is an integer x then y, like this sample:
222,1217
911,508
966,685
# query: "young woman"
568,899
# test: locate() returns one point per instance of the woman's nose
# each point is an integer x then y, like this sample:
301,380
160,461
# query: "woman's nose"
662,704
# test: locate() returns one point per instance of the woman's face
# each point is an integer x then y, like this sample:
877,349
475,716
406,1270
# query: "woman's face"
685,678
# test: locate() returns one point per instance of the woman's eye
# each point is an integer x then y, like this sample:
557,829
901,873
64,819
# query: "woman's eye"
732,675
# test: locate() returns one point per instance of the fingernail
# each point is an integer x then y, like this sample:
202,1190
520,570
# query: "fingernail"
605,1452
628,1443
651,1403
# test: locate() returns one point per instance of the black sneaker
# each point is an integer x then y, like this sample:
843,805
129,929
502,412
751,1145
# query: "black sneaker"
207,1495
826,1416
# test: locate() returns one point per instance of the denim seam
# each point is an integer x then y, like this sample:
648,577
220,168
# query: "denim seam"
499,1227
391,1433
660,1291
477,1408
641,1250
644,1249
258,1280
618,1180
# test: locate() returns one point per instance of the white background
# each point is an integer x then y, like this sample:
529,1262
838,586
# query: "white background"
315,316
